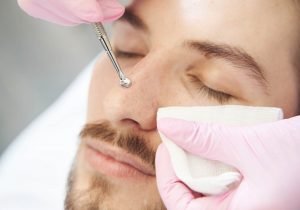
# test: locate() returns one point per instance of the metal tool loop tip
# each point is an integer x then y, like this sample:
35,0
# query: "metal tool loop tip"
125,83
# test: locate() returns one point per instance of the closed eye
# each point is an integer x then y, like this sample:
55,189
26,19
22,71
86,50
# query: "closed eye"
127,55
219,96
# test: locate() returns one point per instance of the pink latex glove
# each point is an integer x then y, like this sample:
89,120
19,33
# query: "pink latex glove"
268,156
73,12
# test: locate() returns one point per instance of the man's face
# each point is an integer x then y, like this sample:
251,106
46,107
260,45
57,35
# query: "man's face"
177,53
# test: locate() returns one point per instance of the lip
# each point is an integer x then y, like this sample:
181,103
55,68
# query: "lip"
113,161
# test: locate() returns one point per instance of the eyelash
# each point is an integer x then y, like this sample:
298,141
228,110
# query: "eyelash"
128,55
221,97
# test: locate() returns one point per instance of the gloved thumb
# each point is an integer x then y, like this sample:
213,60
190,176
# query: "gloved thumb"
211,141
175,194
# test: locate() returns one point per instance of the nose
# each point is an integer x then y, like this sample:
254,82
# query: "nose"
135,106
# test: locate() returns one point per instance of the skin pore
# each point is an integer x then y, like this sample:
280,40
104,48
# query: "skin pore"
177,53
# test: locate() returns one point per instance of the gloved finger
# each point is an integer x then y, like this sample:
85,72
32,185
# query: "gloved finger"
211,141
111,9
45,12
174,193
53,15
211,203
73,12
95,10
85,11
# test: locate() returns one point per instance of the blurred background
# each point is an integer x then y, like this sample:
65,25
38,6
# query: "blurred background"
38,60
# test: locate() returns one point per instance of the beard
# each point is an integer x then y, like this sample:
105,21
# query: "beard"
99,194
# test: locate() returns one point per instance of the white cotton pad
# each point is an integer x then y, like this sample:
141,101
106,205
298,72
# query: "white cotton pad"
207,176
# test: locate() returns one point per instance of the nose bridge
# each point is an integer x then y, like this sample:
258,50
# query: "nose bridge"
147,77
140,102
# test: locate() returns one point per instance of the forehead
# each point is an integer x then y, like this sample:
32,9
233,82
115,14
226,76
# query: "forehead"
215,8
259,27
209,16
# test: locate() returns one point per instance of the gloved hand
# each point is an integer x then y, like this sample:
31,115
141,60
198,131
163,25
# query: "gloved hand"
267,155
73,12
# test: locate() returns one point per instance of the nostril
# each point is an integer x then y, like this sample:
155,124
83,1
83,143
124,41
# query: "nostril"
135,125
130,123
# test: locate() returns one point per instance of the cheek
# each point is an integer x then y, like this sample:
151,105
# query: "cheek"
284,90
103,78
287,97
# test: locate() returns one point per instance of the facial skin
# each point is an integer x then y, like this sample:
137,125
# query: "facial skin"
183,53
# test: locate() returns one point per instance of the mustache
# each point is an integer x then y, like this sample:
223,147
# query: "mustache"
128,141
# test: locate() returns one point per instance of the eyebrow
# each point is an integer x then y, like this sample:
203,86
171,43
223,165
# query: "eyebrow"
234,55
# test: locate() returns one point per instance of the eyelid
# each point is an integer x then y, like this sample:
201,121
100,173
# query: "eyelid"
127,54
220,96
128,41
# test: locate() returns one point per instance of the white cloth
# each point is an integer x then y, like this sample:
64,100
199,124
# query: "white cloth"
35,167
206,176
